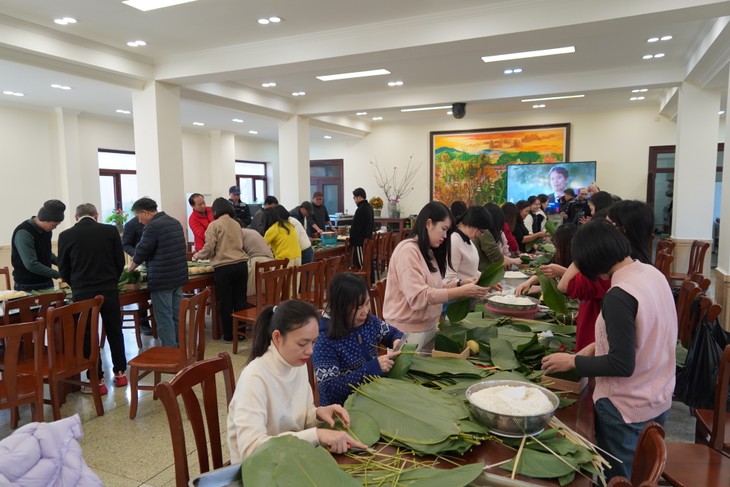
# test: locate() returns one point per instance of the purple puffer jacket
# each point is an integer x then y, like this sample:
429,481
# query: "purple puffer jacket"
46,454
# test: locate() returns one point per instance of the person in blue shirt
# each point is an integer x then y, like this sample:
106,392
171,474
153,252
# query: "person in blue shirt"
347,349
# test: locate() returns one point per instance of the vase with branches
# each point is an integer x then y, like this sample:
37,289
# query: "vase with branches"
395,184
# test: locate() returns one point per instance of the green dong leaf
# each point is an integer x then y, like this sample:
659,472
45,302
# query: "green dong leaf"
554,299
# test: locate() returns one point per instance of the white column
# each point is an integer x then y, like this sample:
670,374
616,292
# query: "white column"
293,169
722,272
70,176
158,145
222,162
694,170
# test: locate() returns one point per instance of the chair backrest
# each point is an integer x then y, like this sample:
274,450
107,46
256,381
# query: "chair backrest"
709,309
688,293
384,248
191,327
663,263
665,245
332,267
308,283
700,280
4,271
31,307
368,252
719,418
16,337
65,330
266,266
276,286
697,256
377,295
184,384
650,456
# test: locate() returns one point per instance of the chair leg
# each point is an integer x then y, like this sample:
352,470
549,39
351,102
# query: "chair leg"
234,325
158,378
14,417
94,378
55,398
137,330
38,415
133,379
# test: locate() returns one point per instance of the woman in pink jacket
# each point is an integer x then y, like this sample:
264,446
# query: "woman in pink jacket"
415,292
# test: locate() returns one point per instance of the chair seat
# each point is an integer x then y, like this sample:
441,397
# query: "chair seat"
691,465
62,367
704,424
25,387
161,359
246,315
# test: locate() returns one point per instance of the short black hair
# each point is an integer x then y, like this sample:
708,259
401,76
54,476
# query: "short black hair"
347,292
477,217
569,191
359,192
191,200
598,246
601,200
307,206
521,205
222,206
543,198
144,204
559,170
458,208
531,200
271,200
562,239
497,224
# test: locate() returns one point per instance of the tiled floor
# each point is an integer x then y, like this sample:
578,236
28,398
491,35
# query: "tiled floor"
132,453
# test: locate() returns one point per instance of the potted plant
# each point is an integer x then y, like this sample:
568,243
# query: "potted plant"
377,203
118,218
395,185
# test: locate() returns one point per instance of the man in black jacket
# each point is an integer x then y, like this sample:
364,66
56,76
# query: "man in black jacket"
363,224
90,259
163,247
243,213
131,236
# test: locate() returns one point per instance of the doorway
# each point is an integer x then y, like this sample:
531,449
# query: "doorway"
326,176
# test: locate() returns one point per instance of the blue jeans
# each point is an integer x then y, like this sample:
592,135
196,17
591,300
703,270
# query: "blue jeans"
166,306
617,437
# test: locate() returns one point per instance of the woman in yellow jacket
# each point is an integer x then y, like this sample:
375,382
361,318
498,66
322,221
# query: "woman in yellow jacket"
281,235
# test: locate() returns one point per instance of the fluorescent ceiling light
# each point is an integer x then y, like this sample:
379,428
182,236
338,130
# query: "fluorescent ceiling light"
377,118
356,74
126,112
421,109
361,113
328,137
528,54
199,124
527,100
253,132
721,112
147,5
65,21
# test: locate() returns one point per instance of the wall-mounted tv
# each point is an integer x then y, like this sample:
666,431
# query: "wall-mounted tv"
524,180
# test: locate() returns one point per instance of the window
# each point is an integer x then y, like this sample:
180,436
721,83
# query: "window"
251,179
117,180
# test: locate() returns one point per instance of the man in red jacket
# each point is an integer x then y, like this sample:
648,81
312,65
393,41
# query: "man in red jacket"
199,219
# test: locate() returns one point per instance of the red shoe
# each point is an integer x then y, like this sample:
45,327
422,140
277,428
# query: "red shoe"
86,389
120,379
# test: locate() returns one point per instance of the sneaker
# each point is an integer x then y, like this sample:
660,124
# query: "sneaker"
120,379
146,329
241,338
86,389
227,340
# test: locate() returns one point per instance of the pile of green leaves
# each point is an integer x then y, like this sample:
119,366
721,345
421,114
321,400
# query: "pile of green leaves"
129,277
458,310
425,420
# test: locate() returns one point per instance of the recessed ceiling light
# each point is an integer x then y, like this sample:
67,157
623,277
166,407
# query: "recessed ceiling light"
640,90
298,93
513,71
665,38
356,74
528,54
637,98
395,83
652,39
199,124
653,56
721,112
377,118
126,112
269,20
60,87
237,120
658,55
274,19
421,109
253,132
65,21
137,43
541,105
361,113
13,93
147,5
268,85
327,137
546,98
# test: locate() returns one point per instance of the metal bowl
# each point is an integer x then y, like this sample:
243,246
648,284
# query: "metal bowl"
513,307
511,426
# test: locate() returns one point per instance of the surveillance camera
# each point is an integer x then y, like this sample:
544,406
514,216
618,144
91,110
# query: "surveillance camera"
459,110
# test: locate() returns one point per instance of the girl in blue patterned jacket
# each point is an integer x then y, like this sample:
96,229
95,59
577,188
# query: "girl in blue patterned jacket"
347,349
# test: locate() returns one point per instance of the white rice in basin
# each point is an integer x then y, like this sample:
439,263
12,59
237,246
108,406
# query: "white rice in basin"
512,400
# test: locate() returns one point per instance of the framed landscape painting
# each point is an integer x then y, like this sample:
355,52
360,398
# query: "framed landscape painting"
471,166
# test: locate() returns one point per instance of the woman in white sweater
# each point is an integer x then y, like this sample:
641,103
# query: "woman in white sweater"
273,396
464,256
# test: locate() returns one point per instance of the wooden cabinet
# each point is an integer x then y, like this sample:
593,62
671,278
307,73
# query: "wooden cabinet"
392,224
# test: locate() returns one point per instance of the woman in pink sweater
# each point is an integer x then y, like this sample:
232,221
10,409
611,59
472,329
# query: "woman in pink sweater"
633,357
415,291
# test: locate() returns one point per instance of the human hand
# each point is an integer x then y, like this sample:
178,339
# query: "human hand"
387,360
195,256
328,414
496,287
337,441
584,219
473,290
132,266
523,288
558,362
553,270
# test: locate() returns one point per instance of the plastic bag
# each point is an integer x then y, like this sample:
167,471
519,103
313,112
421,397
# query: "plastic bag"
697,380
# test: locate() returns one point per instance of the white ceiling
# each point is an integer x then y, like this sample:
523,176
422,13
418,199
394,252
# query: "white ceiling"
219,55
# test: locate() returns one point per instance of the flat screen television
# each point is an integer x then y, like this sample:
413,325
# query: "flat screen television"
525,180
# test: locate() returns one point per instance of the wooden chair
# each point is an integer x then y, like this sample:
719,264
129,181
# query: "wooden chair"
377,295
694,465
31,307
688,293
17,389
133,313
66,327
383,250
275,287
4,271
168,360
308,283
663,263
665,245
366,272
332,267
713,425
650,458
696,261
701,281
184,384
